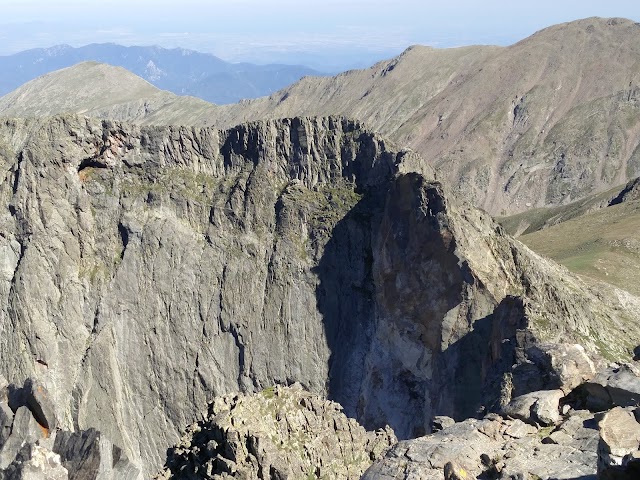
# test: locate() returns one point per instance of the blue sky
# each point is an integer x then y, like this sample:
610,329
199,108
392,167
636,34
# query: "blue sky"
343,33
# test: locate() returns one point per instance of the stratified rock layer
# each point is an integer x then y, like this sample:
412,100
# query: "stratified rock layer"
146,270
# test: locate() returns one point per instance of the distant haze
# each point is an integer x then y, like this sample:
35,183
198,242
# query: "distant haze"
324,34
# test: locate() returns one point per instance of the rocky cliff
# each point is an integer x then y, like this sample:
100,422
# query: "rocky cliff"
147,269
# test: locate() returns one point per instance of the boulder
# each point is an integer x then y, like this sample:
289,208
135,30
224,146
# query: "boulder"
34,395
519,429
558,438
453,471
619,441
440,422
565,365
37,398
546,409
622,383
615,386
542,407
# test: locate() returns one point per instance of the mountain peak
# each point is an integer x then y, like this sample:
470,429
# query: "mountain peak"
590,25
104,91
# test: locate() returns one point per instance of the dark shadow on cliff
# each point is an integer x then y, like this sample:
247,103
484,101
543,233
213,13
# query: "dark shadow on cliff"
479,360
397,240
345,294
345,298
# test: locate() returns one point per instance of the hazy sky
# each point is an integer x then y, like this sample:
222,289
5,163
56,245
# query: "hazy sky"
347,32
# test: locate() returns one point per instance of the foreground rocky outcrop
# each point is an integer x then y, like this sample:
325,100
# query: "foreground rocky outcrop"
146,270
281,432
286,432
566,442
497,447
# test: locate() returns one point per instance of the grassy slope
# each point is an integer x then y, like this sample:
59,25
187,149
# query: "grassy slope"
603,245
540,218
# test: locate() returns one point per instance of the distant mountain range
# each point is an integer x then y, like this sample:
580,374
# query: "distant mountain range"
547,121
183,72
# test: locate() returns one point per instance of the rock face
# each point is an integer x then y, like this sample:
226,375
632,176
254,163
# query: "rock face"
281,432
147,269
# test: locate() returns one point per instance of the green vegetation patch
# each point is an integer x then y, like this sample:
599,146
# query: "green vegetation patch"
603,245
539,218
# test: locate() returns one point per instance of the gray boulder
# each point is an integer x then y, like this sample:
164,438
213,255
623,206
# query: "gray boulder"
453,471
563,365
542,407
39,401
619,445
35,396
441,422
622,384
25,429
615,386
